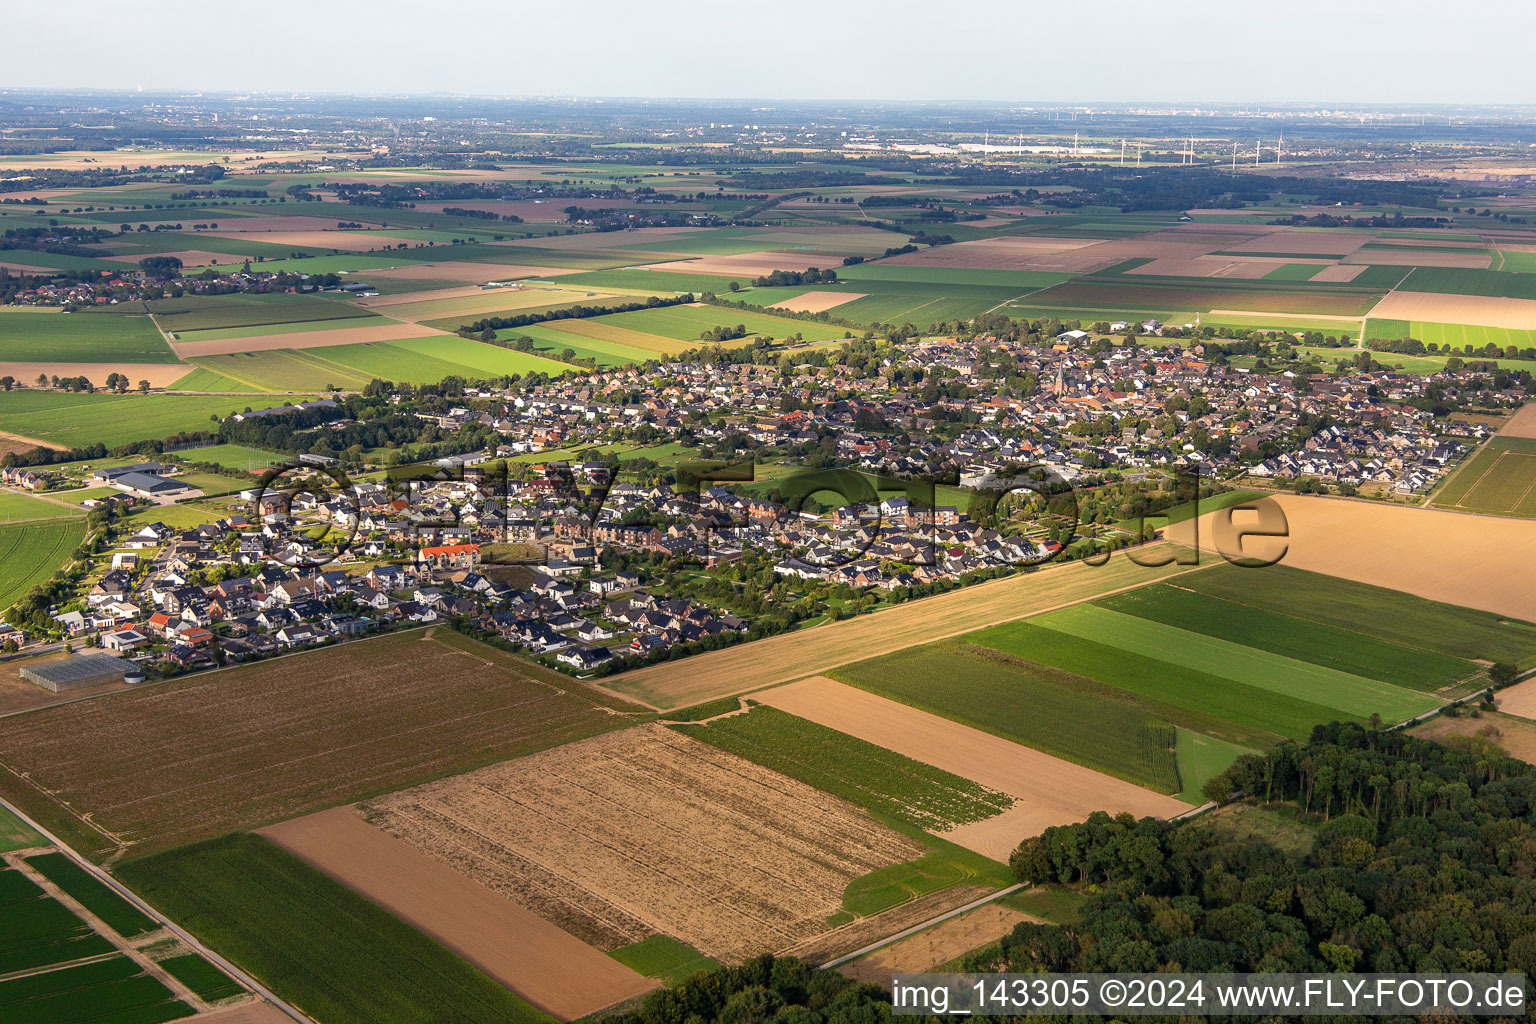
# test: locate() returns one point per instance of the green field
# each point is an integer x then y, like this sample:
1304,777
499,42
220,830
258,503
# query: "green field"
296,328
1341,692
656,282
662,956
1375,611
1017,281
1319,643
317,944
77,419
16,834
1205,294
898,302
111,991
1202,758
1450,280
247,309
553,338
80,338
1294,272
1460,335
32,552
201,977
686,323
1500,479
231,456
1038,706
39,930
93,894
207,380
881,780
15,507
944,865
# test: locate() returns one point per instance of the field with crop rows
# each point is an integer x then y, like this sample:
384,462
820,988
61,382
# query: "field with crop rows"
1048,709
1500,479
32,552
278,738
875,778
318,945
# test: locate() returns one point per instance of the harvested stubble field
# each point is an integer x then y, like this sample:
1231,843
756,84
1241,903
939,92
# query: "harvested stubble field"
1437,307
1046,790
645,831
200,757
1445,556
1522,423
816,301
808,652
387,331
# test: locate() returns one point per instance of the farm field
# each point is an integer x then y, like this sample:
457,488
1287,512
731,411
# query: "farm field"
663,957
811,651
1453,307
232,456
1055,711
74,420
113,989
1383,545
206,312
1200,294
1522,423
1047,790
92,894
1499,479
54,337
16,834
410,360
1461,335
207,380
646,831
1513,734
269,743
15,507
1265,670
317,944
880,780
40,931
687,323
1391,615
1480,283
550,968
328,334
1320,643
261,331
32,552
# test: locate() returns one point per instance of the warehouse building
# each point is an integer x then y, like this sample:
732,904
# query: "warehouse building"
92,668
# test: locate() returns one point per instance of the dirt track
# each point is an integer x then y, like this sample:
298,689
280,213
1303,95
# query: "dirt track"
795,655
549,967
1050,791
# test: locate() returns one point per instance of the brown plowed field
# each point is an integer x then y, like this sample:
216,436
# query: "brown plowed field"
1050,791
1475,561
938,945
544,964
1419,258
646,831
807,652
190,759
1339,273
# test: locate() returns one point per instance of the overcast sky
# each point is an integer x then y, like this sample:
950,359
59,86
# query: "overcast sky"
1327,51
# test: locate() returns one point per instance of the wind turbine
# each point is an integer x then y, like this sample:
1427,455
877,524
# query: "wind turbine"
1234,156
1138,154
1279,145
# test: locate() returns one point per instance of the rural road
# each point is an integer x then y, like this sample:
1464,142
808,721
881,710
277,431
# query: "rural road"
224,965
922,925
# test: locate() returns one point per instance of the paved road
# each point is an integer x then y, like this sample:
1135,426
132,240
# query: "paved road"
224,965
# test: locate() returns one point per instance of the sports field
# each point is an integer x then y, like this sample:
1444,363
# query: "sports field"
317,944
221,751
1500,479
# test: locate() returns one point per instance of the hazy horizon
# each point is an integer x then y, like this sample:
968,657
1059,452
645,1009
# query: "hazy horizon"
1121,53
